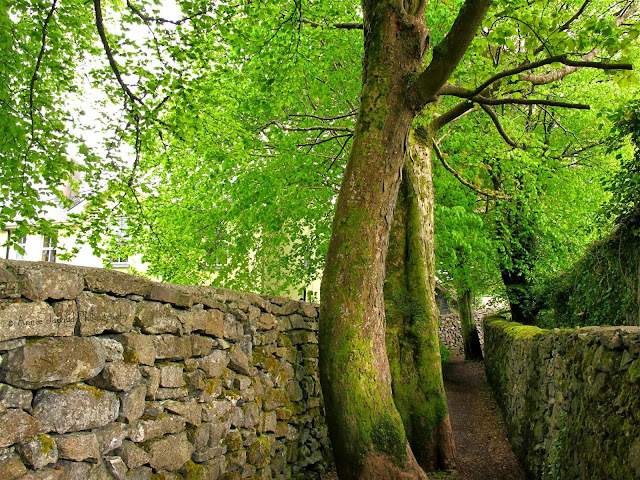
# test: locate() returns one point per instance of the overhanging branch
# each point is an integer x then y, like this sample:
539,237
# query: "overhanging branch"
448,53
107,50
496,121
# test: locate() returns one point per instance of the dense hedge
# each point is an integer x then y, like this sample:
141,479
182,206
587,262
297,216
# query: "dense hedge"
602,288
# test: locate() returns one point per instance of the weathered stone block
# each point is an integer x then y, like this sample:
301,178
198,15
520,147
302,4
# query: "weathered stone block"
150,429
156,318
233,330
9,287
238,361
113,349
274,398
170,452
213,364
286,308
133,455
45,474
74,408
78,446
39,451
172,347
116,283
308,310
53,362
98,313
152,375
215,323
118,376
12,467
34,319
11,397
140,473
138,348
171,393
40,281
178,295
236,461
172,376
268,422
217,410
74,470
200,346
110,437
267,321
116,467
298,337
194,320
15,426
132,403
190,410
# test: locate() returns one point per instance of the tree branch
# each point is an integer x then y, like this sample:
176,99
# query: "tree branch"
486,193
34,77
451,115
496,121
344,26
326,119
585,61
107,50
481,100
539,63
448,53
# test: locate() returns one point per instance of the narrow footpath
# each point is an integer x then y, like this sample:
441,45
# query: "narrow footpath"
483,450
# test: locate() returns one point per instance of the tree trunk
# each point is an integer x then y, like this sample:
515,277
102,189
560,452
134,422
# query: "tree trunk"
367,434
470,338
517,289
413,346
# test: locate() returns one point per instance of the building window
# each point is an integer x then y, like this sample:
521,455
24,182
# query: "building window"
48,249
119,259
22,243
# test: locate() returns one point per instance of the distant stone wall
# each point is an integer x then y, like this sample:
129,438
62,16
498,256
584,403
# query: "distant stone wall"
570,398
104,375
450,332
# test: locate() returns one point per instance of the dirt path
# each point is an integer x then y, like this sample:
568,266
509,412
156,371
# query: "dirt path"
484,452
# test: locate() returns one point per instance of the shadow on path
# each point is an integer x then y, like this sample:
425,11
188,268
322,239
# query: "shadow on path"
483,450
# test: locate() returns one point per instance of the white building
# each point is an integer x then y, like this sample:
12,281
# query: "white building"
38,247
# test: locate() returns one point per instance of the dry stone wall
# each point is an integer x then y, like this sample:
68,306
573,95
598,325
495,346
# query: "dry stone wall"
104,375
450,331
570,398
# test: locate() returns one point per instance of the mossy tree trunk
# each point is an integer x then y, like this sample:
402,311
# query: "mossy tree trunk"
366,430
470,337
413,346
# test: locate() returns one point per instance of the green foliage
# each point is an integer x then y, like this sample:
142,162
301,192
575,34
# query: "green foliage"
602,287
445,353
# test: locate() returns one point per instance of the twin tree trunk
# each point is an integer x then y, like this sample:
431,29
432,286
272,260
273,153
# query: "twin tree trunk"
367,432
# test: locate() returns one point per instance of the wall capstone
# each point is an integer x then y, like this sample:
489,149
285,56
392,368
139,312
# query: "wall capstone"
570,398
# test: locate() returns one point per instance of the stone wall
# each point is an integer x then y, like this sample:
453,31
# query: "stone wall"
450,332
570,398
109,376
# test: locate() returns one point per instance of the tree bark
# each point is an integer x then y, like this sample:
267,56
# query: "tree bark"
413,346
470,338
366,430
